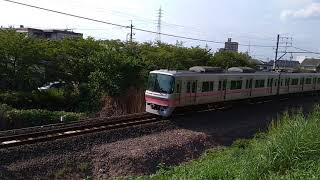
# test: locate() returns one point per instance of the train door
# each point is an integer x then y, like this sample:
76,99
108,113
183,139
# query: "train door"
177,96
269,84
314,83
191,95
222,89
249,87
302,83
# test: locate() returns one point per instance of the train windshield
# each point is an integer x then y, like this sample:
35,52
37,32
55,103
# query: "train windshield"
161,83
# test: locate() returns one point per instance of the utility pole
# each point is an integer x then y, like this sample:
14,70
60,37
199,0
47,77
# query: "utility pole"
158,38
131,33
277,48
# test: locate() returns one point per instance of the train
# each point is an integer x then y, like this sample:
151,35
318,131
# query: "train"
168,90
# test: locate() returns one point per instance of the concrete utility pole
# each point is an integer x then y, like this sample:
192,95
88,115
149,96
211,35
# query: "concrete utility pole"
277,48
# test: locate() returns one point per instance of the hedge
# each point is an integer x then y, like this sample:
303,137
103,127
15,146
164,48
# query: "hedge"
13,118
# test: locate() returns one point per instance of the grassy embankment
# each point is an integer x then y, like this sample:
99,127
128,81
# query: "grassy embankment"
289,150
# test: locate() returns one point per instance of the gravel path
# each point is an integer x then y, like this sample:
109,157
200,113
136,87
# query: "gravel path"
139,150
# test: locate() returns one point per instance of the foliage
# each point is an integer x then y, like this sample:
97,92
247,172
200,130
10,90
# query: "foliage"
90,68
115,72
289,150
228,59
14,118
20,60
53,99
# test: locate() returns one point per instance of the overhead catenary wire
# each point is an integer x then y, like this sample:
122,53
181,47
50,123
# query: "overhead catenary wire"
135,28
306,51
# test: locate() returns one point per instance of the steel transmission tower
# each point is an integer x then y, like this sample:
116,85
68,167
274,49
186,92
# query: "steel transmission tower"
158,37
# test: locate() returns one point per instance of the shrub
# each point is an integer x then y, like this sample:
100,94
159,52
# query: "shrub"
53,99
36,117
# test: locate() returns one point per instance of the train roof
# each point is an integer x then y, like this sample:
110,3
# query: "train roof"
190,73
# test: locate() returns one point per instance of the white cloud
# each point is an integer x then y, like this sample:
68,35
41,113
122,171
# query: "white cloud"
311,10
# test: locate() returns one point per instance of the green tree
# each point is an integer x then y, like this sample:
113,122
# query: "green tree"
228,59
115,73
20,60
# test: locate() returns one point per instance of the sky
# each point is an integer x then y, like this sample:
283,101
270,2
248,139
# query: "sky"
253,22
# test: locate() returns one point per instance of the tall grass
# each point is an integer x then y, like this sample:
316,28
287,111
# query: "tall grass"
290,149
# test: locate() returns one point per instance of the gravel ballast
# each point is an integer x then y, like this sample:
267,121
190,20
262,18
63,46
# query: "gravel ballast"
139,150
143,155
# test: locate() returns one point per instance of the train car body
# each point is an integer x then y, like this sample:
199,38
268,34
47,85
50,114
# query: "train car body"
168,90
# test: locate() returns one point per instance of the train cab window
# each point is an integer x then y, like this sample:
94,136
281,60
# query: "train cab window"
308,81
188,87
259,84
194,87
236,85
294,82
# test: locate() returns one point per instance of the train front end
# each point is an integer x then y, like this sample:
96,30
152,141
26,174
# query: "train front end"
159,93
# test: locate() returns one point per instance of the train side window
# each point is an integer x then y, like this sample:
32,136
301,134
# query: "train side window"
194,87
301,81
220,86
205,86
236,85
318,81
281,82
276,82
314,80
188,87
259,83
294,82
308,81
287,82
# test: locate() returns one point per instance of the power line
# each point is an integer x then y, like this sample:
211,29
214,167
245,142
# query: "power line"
306,51
134,28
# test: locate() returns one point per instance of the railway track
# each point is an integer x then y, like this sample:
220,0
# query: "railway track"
37,134
59,131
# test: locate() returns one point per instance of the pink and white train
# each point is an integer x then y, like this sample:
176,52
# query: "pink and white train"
168,90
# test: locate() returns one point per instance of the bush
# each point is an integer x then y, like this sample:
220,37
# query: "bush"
53,99
289,150
27,118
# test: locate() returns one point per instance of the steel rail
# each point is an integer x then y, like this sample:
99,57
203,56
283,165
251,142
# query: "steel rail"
76,129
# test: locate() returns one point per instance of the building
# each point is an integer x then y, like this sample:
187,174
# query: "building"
261,65
310,64
285,65
54,34
230,46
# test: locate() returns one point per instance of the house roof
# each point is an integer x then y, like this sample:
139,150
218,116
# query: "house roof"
285,63
310,62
